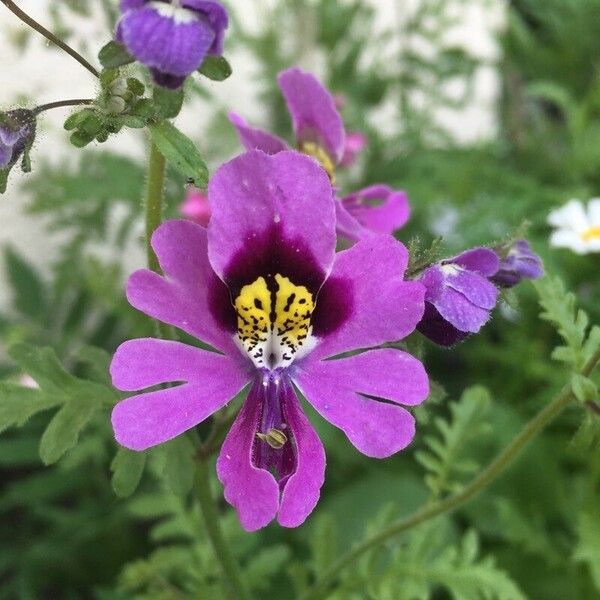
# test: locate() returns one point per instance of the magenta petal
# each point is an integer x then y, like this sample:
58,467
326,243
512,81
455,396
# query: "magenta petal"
481,260
185,296
253,138
347,226
458,310
367,282
312,108
253,492
478,290
336,387
255,193
152,418
390,214
302,489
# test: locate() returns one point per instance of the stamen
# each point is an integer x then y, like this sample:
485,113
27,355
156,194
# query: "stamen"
320,154
274,437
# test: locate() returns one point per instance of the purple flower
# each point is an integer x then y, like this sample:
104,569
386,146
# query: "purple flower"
520,262
172,37
17,129
264,286
319,132
459,297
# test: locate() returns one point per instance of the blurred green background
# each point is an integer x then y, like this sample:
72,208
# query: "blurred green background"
536,532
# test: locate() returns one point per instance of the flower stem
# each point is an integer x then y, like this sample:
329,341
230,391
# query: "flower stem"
485,477
154,201
60,103
233,580
49,35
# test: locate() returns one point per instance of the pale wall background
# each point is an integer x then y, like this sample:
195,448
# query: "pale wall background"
40,75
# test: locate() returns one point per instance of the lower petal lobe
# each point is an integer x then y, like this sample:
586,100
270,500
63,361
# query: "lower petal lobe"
339,390
151,418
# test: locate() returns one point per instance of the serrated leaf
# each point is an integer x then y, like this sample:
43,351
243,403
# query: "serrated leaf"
114,55
127,468
180,152
18,404
64,429
447,455
216,68
43,365
179,467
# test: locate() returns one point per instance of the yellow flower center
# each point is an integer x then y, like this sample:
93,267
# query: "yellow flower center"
593,233
321,155
273,321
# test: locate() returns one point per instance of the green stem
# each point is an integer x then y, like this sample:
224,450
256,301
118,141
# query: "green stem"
154,201
231,570
49,35
489,474
60,103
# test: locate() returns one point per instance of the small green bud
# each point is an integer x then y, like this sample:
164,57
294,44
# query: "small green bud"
115,105
118,87
136,86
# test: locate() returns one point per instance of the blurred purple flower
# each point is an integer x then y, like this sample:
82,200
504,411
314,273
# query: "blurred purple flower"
172,37
196,206
264,286
520,262
355,143
319,132
17,129
377,208
459,297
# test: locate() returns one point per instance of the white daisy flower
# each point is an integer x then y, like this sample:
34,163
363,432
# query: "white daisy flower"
577,227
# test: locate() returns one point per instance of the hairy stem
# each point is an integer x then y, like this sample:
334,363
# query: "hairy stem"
477,484
49,35
154,201
60,103
233,580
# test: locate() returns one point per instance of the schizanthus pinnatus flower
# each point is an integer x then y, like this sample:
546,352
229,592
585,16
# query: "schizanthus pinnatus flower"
264,286
459,297
518,262
172,37
319,132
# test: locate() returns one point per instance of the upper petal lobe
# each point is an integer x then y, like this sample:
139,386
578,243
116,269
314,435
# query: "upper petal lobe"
367,284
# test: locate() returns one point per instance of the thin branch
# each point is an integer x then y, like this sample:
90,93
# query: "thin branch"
60,103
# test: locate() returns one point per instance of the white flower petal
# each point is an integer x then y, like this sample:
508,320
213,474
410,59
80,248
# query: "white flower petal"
572,216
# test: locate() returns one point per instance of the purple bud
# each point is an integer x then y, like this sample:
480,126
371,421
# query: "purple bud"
172,37
17,129
519,263
459,296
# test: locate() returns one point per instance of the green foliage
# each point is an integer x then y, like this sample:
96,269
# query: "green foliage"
127,468
587,549
79,400
216,68
447,458
114,55
180,152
